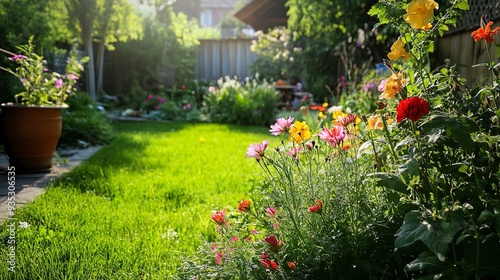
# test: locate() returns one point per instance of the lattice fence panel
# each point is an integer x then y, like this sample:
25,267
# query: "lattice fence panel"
470,19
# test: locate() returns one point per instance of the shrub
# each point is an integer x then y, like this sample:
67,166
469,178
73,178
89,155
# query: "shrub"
83,124
249,103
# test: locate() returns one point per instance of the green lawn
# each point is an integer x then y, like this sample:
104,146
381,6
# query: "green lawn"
136,206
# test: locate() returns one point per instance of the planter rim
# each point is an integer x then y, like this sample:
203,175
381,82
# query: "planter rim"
34,106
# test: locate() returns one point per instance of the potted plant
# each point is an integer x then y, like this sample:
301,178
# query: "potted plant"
31,126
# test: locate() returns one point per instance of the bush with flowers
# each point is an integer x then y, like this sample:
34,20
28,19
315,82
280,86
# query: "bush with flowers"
42,87
409,191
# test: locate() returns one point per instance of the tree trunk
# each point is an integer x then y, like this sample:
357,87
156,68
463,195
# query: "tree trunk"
100,67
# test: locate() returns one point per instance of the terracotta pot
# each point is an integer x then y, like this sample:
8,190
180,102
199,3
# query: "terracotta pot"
30,135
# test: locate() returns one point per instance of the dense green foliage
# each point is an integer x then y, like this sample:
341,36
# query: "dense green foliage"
84,124
251,102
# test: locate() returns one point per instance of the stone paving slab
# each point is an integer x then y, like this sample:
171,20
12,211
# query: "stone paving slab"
27,186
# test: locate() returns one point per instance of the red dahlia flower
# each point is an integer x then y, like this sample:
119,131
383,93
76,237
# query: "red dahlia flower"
412,108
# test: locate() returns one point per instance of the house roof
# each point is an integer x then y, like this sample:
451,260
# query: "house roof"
264,14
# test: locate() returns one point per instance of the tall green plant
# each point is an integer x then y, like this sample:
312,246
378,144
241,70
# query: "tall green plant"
443,155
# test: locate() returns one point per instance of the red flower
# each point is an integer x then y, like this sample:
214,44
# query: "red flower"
268,263
273,242
218,217
218,258
485,32
316,208
244,205
183,87
412,108
291,265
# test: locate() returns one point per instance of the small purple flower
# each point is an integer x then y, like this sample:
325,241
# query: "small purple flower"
17,57
161,99
157,107
150,97
59,83
45,69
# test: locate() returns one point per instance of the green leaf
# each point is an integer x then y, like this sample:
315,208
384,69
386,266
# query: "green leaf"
390,181
463,5
436,235
426,261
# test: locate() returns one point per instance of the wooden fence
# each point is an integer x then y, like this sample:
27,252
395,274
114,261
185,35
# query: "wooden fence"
219,58
458,46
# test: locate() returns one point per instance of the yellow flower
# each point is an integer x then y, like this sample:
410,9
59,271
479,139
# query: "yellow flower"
325,104
338,114
419,13
321,116
299,132
398,50
394,84
375,122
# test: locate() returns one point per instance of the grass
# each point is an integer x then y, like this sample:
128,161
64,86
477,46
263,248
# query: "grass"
137,206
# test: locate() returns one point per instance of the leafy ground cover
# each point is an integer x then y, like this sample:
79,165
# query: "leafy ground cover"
134,208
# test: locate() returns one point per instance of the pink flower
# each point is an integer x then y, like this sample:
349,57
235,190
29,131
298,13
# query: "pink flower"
271,211
160,99
219,218
257,150
218,258
316,208
183,87
282,125
294,152
333,136
310,145
17,57
381,86
73,77
150,96
59,83
234,238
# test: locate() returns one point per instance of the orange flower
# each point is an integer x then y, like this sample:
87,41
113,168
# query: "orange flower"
485,33
394,84
419,13
375,122
244,205
398,50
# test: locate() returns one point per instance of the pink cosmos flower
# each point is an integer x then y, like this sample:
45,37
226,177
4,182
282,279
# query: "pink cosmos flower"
333,136
294,151
282,125
234,238
257,150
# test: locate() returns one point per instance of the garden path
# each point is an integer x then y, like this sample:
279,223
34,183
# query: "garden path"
30,185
